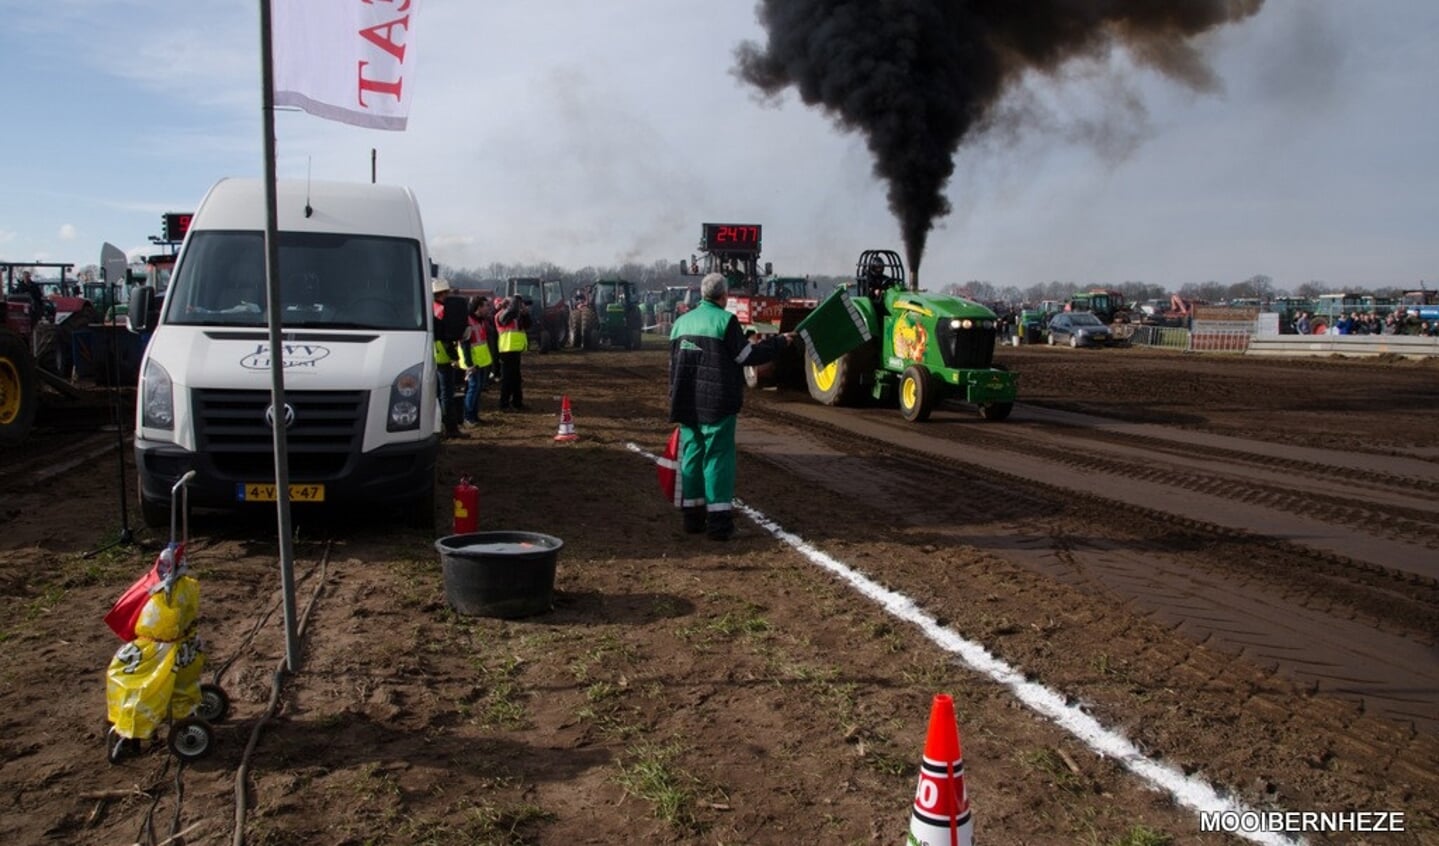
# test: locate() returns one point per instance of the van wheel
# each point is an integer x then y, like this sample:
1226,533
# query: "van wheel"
155,515
421,513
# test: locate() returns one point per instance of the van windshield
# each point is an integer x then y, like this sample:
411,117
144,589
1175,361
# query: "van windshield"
326,280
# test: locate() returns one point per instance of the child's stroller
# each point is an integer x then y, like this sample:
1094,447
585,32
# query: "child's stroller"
155,677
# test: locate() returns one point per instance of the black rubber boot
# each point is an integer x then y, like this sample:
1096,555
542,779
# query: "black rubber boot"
720,525
695,519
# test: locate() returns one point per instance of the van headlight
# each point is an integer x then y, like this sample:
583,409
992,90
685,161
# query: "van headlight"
405,395
157,399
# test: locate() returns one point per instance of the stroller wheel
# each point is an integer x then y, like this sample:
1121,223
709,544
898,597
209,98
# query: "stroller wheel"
190,738
214,704
119,748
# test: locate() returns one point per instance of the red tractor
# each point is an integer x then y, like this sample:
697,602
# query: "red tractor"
29,348
764,303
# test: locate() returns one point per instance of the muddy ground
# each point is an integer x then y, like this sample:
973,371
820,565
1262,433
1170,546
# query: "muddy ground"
1227,562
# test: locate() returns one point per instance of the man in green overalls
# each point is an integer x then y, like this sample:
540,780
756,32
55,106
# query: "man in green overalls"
708,354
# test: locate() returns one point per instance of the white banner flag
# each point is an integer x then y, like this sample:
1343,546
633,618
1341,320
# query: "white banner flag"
345,60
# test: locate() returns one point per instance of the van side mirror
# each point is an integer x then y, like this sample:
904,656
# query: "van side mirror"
138,312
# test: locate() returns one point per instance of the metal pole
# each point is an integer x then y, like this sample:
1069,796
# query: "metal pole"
273,316
125,534
372,165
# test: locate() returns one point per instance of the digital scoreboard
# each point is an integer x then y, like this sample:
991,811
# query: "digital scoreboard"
730,238
174,225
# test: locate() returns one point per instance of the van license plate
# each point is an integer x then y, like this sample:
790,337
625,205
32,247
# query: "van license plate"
265,492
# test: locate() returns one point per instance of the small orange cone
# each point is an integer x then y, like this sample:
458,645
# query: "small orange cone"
567,422
941,804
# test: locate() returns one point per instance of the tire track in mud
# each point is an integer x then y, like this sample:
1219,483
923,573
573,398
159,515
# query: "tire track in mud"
1395,522
1333,522
1353,630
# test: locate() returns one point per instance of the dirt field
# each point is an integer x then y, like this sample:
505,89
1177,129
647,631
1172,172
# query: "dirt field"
1231,564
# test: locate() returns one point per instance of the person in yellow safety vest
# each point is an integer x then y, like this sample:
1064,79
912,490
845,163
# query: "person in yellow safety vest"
512,321
475,357
446,356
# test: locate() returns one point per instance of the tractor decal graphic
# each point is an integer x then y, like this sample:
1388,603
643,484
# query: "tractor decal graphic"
910,338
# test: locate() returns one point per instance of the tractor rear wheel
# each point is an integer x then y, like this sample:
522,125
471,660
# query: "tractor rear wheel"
589,330
995,410
17,388
842,381
760,377
916,393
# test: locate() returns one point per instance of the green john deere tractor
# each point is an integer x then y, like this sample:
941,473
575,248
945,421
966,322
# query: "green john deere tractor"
619,320
888,343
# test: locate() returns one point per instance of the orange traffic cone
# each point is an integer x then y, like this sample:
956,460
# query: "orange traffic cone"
567,422
941,804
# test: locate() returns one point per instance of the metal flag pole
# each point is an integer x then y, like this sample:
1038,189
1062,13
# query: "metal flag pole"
279,419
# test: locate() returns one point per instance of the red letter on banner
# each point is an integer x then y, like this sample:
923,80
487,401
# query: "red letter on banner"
385,41
390,88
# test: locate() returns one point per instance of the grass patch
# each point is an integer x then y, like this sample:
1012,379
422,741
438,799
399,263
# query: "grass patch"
477,822
501,707
1141,835
650,775
746,623
41,604
1051,763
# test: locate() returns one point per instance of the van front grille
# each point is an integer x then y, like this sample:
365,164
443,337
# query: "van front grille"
231,427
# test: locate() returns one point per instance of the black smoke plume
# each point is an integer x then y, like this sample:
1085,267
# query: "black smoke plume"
916,76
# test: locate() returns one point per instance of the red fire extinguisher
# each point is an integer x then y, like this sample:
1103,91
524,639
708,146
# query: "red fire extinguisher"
467,507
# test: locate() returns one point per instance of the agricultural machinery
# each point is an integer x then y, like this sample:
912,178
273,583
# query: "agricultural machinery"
765,304
890,343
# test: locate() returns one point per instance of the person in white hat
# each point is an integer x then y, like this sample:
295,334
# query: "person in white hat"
446,355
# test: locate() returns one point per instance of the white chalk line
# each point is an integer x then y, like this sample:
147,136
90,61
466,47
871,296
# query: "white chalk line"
1193,793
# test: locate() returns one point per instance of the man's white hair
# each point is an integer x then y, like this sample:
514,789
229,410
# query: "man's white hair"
714,287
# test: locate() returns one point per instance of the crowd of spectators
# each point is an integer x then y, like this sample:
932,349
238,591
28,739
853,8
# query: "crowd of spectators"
1401,321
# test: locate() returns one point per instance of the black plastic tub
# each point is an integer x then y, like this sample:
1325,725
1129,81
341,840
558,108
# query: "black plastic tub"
499,574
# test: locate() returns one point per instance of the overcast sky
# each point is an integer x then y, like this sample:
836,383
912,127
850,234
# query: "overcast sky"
592,133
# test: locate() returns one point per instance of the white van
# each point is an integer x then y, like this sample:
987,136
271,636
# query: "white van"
360,385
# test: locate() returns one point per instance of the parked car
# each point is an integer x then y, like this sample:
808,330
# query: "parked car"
1079,329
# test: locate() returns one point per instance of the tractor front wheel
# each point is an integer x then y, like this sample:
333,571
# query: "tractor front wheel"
916,393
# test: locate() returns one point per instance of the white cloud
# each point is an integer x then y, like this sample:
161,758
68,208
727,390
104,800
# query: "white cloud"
67,232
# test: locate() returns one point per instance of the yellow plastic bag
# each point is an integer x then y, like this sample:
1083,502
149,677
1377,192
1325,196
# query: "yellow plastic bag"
156,676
